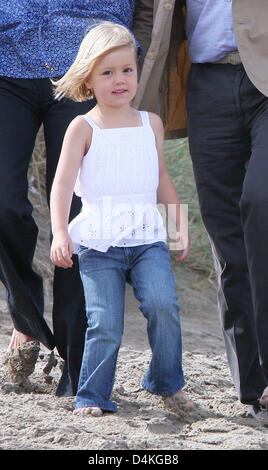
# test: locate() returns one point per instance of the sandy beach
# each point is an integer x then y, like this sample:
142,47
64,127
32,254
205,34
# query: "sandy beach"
33,418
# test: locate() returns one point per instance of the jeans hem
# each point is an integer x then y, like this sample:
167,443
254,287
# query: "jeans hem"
91,403
163,394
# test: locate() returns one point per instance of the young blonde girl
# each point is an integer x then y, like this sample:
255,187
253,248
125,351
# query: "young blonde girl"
113,157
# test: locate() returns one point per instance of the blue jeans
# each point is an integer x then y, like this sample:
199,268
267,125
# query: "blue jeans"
104,276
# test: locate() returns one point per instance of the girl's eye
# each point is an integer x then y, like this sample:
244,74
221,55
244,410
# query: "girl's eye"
128,70
107,72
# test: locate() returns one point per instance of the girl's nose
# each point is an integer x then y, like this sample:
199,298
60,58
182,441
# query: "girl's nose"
119,77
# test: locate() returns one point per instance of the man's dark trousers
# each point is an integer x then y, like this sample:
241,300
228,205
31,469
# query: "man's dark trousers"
24,106
228,138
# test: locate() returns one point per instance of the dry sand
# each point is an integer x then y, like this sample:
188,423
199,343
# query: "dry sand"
32,418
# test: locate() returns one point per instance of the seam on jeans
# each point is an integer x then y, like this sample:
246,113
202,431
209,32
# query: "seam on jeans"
110,385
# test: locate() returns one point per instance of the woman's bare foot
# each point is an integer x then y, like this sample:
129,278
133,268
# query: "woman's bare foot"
89,410
264,398
17,339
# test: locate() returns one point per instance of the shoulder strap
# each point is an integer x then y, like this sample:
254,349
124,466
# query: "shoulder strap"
145,118
90,122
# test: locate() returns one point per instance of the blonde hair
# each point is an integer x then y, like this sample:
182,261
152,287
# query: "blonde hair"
99,41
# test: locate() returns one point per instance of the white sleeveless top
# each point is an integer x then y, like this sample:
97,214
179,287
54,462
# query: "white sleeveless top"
117,183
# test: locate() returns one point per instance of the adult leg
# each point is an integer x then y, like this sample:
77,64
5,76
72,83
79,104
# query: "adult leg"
19,123
69,318
154,286
104,279
220,147
254,210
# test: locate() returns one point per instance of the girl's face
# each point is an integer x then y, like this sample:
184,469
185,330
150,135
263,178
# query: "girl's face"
114,78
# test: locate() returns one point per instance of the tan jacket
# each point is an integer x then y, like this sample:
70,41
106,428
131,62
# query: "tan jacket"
251,28
159,26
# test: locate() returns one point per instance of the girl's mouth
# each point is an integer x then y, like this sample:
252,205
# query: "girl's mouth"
119,92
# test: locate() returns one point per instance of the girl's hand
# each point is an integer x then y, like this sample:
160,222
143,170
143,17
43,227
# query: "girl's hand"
186,244
62,250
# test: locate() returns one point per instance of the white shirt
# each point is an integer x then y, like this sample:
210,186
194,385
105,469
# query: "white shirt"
117,183
210,30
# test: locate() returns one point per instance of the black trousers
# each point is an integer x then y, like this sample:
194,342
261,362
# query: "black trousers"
228,138
24,106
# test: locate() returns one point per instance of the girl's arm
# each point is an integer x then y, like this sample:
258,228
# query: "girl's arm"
167,194
75,145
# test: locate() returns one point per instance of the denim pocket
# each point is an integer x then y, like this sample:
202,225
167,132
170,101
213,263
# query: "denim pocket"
81,249
162,245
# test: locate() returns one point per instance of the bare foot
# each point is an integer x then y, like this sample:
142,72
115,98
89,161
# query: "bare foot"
89,410
182,399
17,339
20,361
264,398
180,403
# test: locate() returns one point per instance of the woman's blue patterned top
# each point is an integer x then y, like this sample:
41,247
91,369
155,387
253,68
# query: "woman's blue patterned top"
40,38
